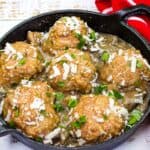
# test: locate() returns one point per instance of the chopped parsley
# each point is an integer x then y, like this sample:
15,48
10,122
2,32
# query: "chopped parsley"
43,112
100,88
115,94
82,41
105,117
72,103
48,94
105,56
63,61
16,111
134,117
139,64
58,102
39,57
15,56
21,62
12,124
137,83
39,139
47,63
61,83
92,36
58,107
80,122
73,56
59,96
62,126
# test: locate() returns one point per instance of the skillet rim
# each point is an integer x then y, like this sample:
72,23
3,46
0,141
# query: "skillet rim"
109,143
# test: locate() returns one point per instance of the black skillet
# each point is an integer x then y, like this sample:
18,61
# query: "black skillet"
113,24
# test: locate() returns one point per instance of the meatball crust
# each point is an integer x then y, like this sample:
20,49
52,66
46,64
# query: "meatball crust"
30,108
19,61
62,35
103,117
124,69
72,70
35,38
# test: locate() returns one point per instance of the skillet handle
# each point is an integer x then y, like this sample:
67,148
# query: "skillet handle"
135,10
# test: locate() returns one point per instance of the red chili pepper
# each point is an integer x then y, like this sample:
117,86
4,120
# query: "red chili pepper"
140,23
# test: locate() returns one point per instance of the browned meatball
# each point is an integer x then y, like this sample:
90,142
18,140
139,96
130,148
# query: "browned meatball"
125,69
35,38
71,70
63,34
104,118
30,108
19,61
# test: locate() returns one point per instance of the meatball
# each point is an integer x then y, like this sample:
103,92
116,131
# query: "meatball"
19,61
72,70
103,118
124,69
35,38
30,108
64,33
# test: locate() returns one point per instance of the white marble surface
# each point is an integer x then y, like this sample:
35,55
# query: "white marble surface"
14,11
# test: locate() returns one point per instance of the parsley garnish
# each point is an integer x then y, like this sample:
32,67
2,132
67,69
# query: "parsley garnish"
12,124
82,41
21,62
39,139
43,112
48,94
92,36
73,56
59,96
139,64
100,88
80,122
58,105
72,103
134,117
105,56
16,111
61,83
47,63
115,94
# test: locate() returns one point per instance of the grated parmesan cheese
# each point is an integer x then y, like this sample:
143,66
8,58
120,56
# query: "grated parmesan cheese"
111,57
66,71
26,83
81,141
78,133
30,123
8,116
72,23
97,119
133,64
109,78
48,138
37,104
56,72
73,68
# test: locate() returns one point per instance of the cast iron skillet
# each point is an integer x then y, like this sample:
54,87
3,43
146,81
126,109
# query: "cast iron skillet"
113,24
